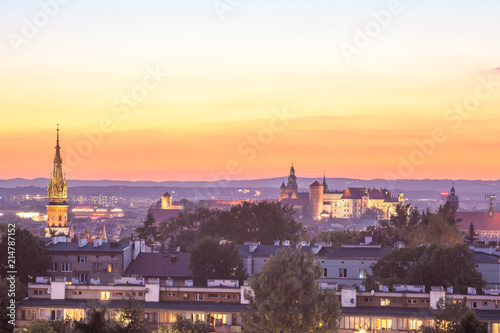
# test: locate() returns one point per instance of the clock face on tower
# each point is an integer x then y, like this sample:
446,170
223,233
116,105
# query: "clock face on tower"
53,217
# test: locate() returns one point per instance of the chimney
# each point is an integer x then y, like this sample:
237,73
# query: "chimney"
82,242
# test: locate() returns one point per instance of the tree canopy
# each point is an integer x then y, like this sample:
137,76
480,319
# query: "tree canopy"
263,221
285,296
434,265
31,256
211,260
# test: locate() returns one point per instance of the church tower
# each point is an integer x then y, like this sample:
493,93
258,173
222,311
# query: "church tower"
57,208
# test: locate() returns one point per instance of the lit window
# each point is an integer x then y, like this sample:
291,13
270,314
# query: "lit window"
362,273
385,302
383,324
104,295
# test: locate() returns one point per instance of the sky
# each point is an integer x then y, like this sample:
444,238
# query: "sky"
241,89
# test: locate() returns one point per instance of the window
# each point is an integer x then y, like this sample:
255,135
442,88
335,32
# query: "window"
77,292
325,272
425,301
65,267
98,267
83,277
225,296
362,273
104,295
28,314
414,324
213,296
383,324
53,267
385,302
170,294
37,292
111,268
368,299
130,293
411,301
342,272
198,297
485,303
496,328
219,319
140,293
117,293
474,305
82,259
236,296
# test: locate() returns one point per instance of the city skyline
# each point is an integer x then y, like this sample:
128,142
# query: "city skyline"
188,91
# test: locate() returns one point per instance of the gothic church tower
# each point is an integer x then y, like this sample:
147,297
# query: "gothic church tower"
57,208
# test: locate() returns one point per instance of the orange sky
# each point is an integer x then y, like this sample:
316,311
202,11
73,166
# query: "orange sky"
219,110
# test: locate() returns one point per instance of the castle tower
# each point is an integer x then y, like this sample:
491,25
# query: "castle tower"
166,201
282,191
316,200
57,208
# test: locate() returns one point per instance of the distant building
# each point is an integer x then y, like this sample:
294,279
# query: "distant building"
350,203
453,198
487,224
167,211
57,208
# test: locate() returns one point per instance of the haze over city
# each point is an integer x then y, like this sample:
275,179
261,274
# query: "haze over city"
179,90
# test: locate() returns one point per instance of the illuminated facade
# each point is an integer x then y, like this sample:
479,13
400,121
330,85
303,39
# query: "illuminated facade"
353,202
57,208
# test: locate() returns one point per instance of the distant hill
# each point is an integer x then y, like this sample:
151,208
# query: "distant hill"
404,185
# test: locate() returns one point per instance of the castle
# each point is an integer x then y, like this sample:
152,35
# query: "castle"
353,202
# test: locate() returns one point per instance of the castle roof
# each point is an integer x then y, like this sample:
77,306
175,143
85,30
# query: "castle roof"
316,184
166,194
481,220
283,185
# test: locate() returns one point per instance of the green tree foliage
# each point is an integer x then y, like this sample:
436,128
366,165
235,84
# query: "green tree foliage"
130,318
31,257
285,296
435,265
37,326
455,318
263,221
95,322
20,291
471,236
339,237
211,260
148,231
184,325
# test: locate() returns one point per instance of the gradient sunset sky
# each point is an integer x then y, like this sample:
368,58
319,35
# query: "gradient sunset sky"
228,77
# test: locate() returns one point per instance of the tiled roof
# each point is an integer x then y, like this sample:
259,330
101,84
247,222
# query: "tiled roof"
161,215
481,257
166,194
316,184
326,252
296,202
73,247
481,220
160,265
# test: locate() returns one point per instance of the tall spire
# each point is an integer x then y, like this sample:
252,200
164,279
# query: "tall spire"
104,236
57,189
491,210
325,185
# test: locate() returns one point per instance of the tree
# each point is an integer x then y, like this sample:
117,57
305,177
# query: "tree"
37,326
130,318
435,265
285,296
184,325
338,237
31,256
455,317
211,260
95,322
436,231
471,236
148,231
